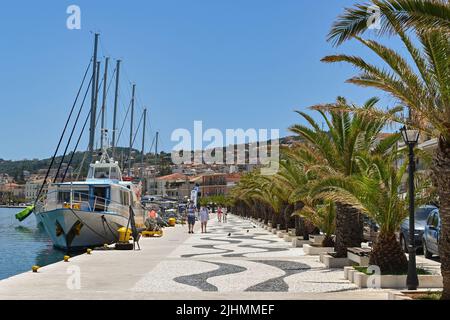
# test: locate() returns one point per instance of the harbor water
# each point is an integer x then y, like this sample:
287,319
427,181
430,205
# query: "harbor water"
23,244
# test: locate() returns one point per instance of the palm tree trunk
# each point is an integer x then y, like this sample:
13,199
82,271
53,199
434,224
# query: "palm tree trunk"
287,215
300,228
388,254
349,229
327,242
441,168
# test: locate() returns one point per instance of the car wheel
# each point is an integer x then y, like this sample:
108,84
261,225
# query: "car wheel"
403,243
426,253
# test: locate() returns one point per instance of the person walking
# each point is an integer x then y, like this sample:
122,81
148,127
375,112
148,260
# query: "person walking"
204,217
219,214
225,215
191,218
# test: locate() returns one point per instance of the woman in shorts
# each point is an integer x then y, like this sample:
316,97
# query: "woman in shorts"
204,217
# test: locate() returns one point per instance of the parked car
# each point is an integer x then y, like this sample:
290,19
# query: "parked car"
371,229
430,240
420,219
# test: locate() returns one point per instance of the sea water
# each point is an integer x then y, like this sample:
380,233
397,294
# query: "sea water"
23,245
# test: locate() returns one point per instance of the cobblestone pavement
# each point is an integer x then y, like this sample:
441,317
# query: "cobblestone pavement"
239,257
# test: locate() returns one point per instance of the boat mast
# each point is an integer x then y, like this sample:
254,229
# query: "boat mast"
93,94
131,130
116,98
143,137
96,91
105,87
156,145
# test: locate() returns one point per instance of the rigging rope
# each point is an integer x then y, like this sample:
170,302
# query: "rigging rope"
73,130
62,136
123,123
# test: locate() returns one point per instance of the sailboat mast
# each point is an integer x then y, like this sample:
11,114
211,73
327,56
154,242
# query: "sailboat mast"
93,93
116,98
131,130
156,147
143,137
105,87
97,80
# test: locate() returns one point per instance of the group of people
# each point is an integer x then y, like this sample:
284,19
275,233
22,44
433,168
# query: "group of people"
203,214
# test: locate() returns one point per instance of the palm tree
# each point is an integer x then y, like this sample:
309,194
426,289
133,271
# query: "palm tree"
423,87
375,192
426,15
254,192
323,215
335,150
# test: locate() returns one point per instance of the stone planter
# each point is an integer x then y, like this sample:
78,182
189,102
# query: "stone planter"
349,272
298,242
281,234
291,232
316,240
278,227
404,295
287,238
394,281
274,230
362,261
332,262
315,251
269,224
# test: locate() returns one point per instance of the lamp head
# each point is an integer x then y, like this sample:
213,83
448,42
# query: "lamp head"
410,135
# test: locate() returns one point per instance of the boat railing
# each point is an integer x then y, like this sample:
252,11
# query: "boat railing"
84,202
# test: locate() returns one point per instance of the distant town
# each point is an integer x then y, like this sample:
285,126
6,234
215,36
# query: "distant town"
21,180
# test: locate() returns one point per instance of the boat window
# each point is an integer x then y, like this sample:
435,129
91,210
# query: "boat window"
64,196
125,198
80,196
101,173
101,201
114,173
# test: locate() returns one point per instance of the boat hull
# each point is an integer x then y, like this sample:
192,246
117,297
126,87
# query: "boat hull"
73,230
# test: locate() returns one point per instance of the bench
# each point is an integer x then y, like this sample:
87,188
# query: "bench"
359,255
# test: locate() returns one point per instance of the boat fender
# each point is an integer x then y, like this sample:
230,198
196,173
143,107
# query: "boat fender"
66,258
35,268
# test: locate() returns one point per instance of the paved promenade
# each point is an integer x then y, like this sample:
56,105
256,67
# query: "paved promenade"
234,260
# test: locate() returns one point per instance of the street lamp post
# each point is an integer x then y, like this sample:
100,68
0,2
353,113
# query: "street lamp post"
411,138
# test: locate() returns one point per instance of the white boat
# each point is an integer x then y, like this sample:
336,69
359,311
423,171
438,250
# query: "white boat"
83,214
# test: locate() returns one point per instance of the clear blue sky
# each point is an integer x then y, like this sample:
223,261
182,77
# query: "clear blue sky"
231,63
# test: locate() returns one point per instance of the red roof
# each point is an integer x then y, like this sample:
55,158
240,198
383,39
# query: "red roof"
173,177
233,177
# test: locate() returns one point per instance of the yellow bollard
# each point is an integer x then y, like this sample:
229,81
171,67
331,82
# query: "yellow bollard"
35,268
66,258
89,251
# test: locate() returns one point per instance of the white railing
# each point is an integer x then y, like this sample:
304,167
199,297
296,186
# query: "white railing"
81,201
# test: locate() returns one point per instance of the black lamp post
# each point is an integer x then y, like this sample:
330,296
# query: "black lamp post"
411,138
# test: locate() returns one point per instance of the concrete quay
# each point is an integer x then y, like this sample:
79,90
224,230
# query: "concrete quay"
235,260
